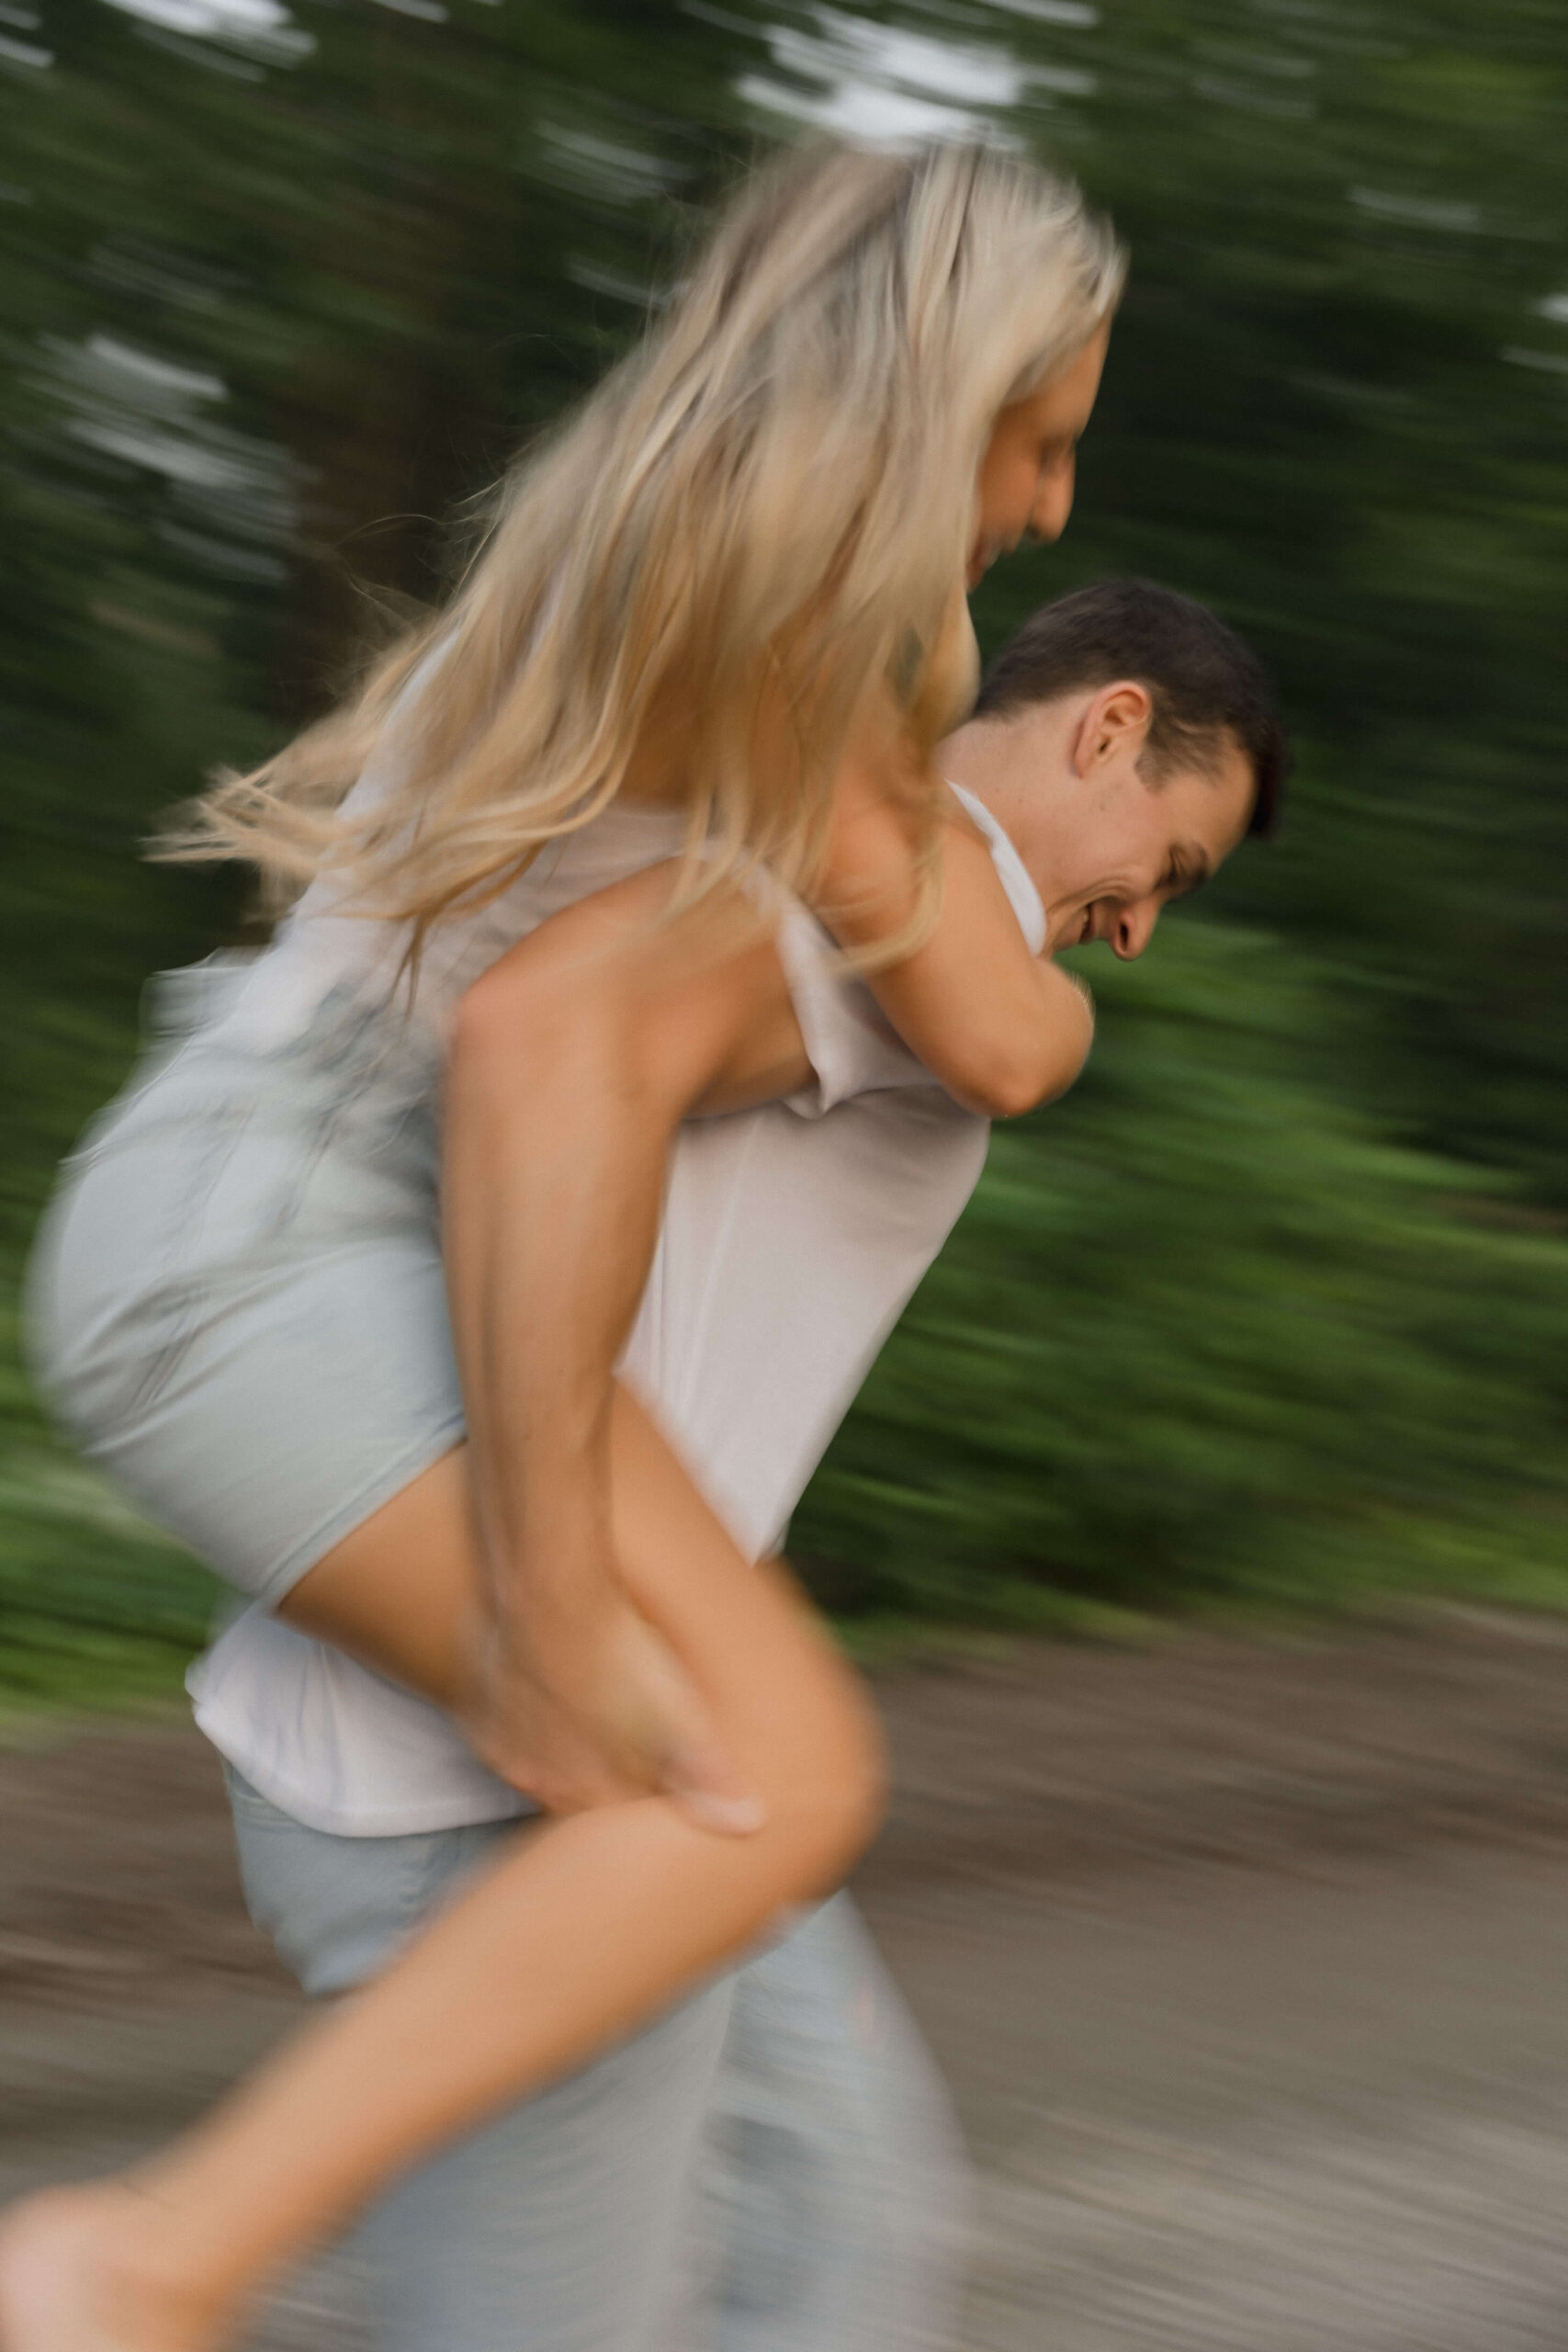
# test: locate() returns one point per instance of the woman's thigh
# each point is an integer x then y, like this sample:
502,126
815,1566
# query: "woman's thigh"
402,1593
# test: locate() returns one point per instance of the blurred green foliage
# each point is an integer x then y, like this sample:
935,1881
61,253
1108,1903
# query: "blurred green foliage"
1270,1308
1209,1334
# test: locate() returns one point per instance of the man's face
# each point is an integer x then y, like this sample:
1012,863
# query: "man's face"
1142,846
1107,849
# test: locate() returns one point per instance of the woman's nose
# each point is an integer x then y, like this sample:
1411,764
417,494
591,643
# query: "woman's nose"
1048,518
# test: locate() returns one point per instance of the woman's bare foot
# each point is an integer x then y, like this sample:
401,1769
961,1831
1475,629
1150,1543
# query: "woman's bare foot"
79,2273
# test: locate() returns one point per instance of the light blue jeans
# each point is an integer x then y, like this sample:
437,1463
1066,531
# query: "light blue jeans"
772,2166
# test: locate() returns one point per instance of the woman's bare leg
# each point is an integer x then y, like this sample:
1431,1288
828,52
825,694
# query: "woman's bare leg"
586,1929
404,1591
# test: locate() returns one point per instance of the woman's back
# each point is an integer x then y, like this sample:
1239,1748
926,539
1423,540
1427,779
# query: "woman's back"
331,963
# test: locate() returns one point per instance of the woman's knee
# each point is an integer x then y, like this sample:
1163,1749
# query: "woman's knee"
826,1792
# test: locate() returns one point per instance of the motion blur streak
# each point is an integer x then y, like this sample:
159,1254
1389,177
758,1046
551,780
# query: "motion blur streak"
1267,1314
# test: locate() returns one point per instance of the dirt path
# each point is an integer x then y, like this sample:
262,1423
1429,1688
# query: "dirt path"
1248,1963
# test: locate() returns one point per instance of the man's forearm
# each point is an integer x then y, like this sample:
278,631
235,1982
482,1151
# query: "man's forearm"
573,1062
554,1156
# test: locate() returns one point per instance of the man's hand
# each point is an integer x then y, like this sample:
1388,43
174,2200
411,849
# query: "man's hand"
598,1712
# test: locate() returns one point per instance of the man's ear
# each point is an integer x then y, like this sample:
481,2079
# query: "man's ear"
1115,719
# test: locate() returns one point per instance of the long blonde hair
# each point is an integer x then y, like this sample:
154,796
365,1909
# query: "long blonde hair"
773,494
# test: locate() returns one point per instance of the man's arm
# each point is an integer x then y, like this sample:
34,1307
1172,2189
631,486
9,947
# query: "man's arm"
574,1060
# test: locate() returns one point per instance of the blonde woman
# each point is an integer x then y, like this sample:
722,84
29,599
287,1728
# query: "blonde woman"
689,688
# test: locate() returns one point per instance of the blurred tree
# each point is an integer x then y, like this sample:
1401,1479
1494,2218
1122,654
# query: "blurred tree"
1337,409
278,286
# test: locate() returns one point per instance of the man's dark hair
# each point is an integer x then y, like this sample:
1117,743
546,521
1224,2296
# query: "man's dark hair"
1203,682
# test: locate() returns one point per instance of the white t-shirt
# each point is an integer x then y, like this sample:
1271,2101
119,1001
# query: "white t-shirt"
793,1235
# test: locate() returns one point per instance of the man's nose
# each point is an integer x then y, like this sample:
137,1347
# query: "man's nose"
1135,929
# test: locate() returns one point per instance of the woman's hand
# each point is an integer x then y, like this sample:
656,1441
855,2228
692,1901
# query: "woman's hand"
1071,1001
597,1711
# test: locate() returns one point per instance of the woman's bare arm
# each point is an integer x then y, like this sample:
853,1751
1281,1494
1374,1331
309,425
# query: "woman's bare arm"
1003,1029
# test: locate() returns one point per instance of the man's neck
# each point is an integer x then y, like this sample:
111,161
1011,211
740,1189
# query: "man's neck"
989,759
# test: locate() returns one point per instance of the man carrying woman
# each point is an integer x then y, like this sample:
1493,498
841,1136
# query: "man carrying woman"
479,1276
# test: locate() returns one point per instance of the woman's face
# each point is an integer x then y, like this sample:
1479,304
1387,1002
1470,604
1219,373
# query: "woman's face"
1027,473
